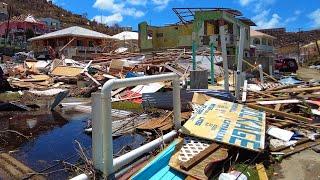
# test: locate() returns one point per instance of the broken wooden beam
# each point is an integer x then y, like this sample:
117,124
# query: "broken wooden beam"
261,172
279,113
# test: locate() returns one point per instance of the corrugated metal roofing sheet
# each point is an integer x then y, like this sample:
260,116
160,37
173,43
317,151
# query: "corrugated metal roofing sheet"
163,100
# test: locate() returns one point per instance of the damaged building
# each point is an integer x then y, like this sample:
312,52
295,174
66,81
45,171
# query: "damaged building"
198,27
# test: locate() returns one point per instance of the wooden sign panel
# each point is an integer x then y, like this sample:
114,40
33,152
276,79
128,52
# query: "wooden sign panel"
229,123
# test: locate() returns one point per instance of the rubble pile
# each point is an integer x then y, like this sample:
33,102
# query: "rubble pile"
270,120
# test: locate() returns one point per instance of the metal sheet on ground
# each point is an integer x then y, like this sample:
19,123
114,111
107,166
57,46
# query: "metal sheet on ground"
229,123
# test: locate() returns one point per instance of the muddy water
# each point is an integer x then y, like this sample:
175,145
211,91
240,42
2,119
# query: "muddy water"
52,138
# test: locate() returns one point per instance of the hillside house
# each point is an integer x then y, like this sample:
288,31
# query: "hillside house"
3,11
81,42
262,44
52,24
311,50
22,28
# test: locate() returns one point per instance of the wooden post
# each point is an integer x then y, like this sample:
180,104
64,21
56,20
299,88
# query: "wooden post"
212,63
239,64
224,55
194,65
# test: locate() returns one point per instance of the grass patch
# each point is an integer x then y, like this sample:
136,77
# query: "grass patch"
251,171
128,106
14,96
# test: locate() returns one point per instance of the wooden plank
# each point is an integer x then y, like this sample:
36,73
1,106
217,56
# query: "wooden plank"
300,147
297,90
93,79
261,172
277,108
199,157
268,99
282,87
173,70
279,113
263,72
263,93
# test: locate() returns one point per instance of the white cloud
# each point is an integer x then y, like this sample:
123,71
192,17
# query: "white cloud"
245,2
132,12
264,21
137,2
315,17
160,4
257,5
108,5
293,18
290,20
119,9
297,12
109,20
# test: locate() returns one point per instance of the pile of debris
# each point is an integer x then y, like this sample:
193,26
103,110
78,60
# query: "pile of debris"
270,122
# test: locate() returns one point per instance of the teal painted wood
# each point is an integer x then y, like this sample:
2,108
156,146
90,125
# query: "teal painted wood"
159,167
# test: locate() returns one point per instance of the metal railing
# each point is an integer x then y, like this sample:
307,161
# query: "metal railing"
102,142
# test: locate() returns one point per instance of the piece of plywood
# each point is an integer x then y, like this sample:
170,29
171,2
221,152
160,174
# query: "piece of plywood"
261,172
198,171
229,123
36,78
66,71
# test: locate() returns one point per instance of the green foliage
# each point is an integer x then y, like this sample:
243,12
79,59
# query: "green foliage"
10,96
128,106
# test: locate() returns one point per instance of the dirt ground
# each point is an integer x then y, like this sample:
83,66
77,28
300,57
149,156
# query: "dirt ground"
307,74
301,166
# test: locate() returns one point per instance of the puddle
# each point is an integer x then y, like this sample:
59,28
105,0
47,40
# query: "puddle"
53,138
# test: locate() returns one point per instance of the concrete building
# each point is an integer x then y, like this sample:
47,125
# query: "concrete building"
199,26
310,51
81,42
52,24
262,44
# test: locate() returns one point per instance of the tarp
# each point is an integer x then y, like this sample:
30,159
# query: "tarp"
290,81
229,123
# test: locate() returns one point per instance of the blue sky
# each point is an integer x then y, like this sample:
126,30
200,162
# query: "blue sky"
292,14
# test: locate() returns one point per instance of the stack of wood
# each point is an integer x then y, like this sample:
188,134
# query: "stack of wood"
292,108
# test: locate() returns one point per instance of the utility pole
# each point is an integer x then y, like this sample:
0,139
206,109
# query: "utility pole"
8,24
299,39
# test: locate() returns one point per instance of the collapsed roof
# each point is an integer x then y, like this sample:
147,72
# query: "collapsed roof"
74,31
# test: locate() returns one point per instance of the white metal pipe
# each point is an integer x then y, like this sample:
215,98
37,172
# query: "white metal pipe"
118,83
97,141
80,177
130,156
106,120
